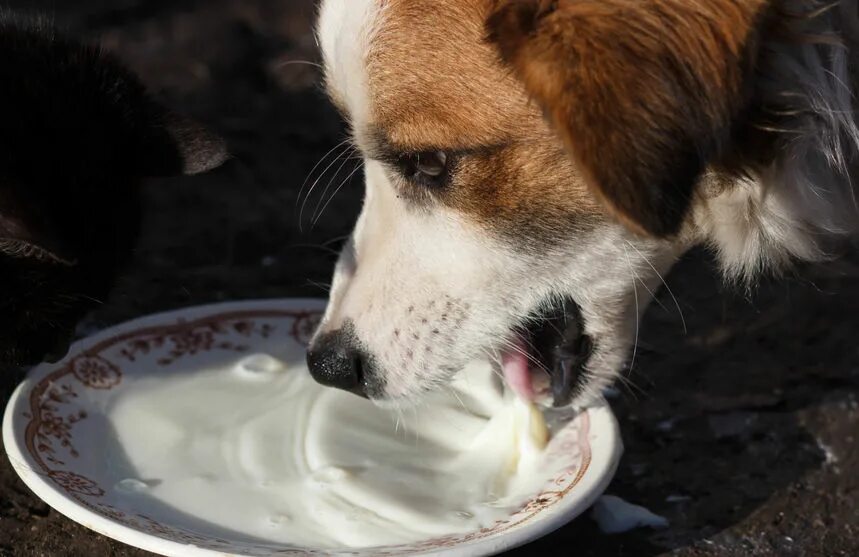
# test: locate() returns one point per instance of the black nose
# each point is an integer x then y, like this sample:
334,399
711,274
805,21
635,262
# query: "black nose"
337,360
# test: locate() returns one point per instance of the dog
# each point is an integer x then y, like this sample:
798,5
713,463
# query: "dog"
534,168
79,133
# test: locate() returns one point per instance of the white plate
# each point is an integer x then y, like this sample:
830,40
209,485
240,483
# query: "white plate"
56,439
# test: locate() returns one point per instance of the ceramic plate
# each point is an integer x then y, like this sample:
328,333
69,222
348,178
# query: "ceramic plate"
60,443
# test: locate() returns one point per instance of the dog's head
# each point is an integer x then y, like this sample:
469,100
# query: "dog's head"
480,233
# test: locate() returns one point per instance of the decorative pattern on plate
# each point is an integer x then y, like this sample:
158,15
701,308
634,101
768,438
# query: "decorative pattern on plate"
96,372
192,340
54,411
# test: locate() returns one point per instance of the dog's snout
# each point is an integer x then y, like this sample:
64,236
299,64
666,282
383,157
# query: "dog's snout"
336,359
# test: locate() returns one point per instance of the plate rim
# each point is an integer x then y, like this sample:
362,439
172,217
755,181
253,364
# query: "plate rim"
595,480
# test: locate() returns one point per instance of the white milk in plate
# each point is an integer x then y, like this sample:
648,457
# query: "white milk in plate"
258,447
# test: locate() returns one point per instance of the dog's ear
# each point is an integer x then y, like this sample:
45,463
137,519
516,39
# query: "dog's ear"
643,92
173,144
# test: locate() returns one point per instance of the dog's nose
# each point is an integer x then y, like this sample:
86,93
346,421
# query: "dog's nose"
337,360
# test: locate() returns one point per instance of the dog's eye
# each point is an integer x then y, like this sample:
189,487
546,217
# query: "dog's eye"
429,167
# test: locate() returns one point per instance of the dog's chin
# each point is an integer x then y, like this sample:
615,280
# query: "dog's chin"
545,360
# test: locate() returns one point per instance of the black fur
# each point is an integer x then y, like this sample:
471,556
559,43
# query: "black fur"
78,132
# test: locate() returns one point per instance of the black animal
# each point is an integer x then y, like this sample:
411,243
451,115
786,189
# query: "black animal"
78,133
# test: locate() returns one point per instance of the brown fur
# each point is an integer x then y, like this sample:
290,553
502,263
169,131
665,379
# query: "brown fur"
436,84
644,93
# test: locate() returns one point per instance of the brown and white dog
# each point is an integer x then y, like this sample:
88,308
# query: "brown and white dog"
535,167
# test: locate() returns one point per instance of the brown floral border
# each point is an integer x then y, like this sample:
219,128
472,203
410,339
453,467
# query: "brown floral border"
92,370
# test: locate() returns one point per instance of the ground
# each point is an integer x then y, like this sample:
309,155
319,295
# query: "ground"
741,427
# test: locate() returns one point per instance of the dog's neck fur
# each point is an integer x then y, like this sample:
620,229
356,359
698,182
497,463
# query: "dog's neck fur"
800,201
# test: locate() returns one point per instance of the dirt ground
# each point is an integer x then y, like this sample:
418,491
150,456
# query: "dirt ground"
742,430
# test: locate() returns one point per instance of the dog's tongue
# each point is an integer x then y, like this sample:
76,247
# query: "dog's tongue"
514,366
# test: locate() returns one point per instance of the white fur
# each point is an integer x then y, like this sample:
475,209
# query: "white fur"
754,229
344,33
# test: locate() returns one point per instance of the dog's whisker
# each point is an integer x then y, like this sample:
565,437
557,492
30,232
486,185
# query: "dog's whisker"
667,288
625,380
532,358
343,159
336,191
336,239
316,182
315,166
321,247
495,358
637,310
631,387
416,428
298,63
652,293
325,287
457,397
334,176
512,347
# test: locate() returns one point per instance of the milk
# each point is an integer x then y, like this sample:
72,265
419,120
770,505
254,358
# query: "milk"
258,447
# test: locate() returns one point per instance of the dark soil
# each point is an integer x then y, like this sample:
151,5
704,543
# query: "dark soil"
742,430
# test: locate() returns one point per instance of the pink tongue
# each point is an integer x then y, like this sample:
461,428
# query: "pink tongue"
514,366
